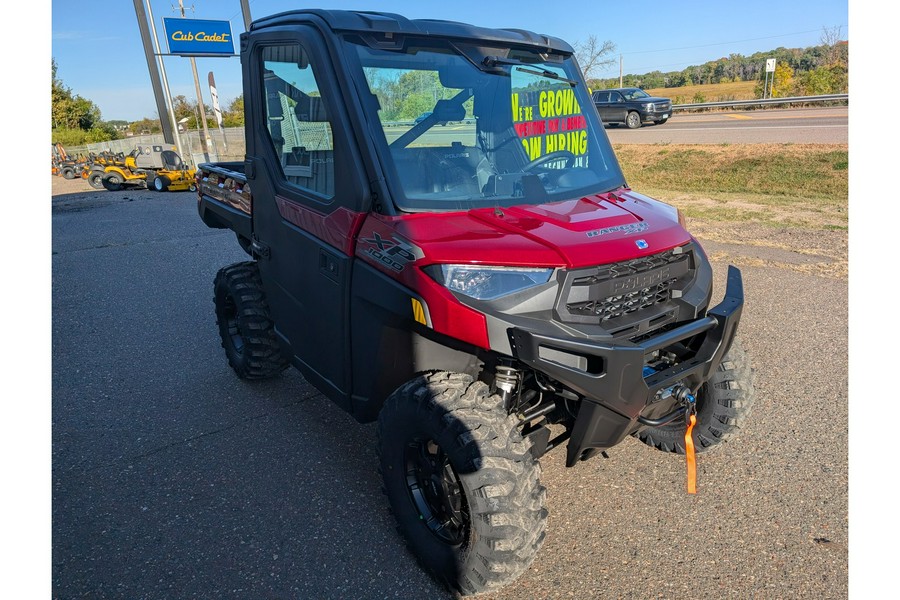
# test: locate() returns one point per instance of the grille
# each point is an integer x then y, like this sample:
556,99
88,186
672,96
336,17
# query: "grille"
623,304
617,295
663,106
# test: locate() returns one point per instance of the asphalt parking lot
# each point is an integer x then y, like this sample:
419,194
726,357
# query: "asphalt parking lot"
174,479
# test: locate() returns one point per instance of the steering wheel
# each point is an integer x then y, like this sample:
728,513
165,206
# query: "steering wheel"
542,160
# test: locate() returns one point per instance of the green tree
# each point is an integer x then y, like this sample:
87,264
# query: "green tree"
71,113
185,108
818,81
233,116
145,125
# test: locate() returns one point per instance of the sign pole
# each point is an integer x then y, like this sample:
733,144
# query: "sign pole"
245,8
770,68
205,140
165,87
218,111
154,72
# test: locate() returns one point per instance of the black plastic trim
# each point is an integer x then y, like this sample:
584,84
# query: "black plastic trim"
620,388
218,215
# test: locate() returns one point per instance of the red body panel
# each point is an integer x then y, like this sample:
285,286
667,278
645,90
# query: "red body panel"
337,228
599,229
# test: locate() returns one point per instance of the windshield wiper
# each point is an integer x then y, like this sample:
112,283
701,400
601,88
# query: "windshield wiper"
493,61
548,75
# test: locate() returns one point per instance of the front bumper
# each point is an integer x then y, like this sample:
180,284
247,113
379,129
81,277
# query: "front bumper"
610,376
662,115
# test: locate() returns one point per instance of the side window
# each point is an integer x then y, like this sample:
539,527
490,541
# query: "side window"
602,97
617,97
298,123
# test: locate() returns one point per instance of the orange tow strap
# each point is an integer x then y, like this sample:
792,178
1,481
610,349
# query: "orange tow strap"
691,458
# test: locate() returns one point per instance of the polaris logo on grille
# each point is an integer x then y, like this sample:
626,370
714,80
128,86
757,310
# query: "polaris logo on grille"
641,281
642,244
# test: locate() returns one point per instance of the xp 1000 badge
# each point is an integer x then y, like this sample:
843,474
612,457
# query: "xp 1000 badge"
394,253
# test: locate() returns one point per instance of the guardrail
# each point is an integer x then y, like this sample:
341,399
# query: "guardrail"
793,100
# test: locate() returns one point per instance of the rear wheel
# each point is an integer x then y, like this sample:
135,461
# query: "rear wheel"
723,405
112,182
247,331
461,481
161,183
68,172
633,120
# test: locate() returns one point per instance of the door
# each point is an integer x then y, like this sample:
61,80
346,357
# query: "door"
616,109
309,199
601,101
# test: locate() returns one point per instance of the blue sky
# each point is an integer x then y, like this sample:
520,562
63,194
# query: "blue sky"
101,58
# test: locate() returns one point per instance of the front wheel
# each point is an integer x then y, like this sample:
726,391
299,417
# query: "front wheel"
161,183
247,331
461,481
723,405
633,120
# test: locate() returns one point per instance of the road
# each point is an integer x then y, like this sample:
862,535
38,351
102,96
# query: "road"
173,479
781,126
777,126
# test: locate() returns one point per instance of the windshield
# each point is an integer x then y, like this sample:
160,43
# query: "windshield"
635,94
464,127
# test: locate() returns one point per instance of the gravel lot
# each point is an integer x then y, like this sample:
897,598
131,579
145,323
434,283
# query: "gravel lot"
172,478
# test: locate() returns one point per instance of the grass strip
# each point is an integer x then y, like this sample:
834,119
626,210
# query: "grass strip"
783,185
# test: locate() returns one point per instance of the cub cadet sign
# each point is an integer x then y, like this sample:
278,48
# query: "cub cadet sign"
193,37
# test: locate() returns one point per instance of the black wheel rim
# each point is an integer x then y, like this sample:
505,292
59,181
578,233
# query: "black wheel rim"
231,324
436,491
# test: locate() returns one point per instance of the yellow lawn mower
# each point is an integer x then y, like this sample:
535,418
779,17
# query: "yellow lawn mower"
154,167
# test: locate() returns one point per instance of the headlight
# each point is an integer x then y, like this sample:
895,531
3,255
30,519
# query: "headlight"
488,283
650,107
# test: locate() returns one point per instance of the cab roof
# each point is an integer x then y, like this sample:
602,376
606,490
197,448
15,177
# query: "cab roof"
390,23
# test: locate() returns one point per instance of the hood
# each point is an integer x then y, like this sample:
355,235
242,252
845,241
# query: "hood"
588,231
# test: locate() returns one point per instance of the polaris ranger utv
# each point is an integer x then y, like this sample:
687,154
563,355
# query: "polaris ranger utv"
487,290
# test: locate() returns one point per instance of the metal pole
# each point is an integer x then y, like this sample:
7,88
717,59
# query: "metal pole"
205,140
620,70
154,73
165,86
245,8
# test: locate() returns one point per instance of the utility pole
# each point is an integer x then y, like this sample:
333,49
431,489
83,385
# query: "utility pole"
168,96
154,72
205,139
245,8
620,70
